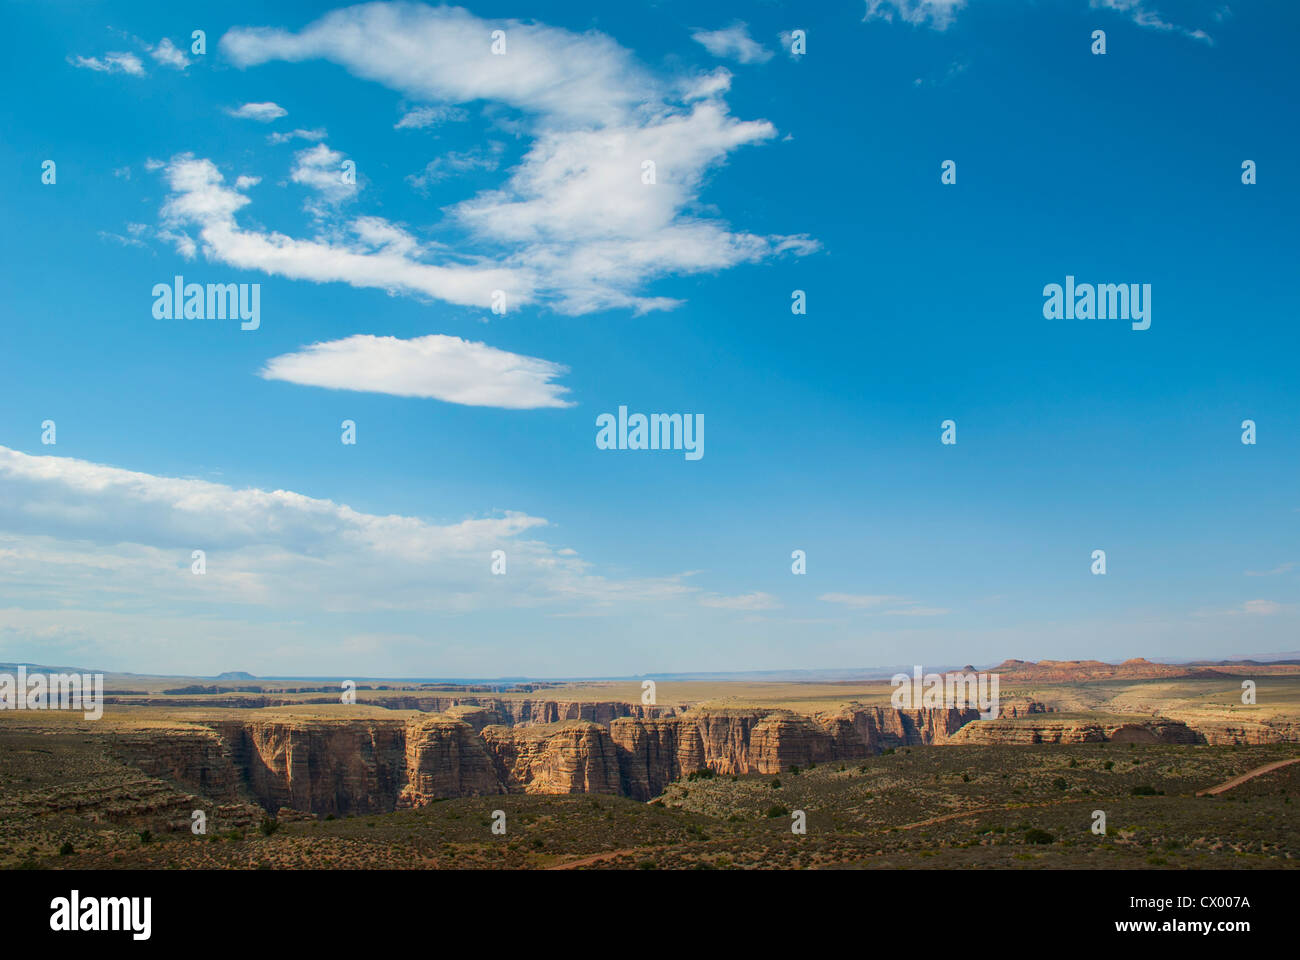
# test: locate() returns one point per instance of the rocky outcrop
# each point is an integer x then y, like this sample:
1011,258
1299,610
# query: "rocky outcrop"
861,731
445,757
1034,730
1246,732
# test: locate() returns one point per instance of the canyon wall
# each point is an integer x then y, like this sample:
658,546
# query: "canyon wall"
370,765
1075,730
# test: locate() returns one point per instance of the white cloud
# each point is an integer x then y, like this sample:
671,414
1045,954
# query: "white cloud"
938,14
745,601
456,162
321,169
261,112
1279,569
134,233
441,367
380,254
1254,608
917,612
169,55
1262,608
429,116
96,560
1143,15
877,602
316,133
861,600
574,216
127,63
443,55
733,42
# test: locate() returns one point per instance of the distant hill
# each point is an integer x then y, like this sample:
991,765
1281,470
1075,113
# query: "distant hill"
235,675
1137,668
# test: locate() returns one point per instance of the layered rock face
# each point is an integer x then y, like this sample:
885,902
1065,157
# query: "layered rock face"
371,765
1065,730
197,756
575,757
320,766
445,757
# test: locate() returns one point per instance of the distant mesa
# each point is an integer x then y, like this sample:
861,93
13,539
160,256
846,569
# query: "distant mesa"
1135,668
236,675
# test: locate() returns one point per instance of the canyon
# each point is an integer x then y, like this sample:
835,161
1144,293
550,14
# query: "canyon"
328,765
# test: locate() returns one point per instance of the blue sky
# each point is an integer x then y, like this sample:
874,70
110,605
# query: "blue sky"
522,172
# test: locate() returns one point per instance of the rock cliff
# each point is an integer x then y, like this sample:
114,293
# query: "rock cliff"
373,764
1048,729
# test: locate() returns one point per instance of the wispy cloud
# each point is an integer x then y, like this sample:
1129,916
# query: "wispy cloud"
576,218
82,536
261,112
169,55
1144,15
456,163
917,611
127,63
429,116
316,133
1279,569
938,14
744,601
1255,608
734,43
883,603
861,600
440,367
